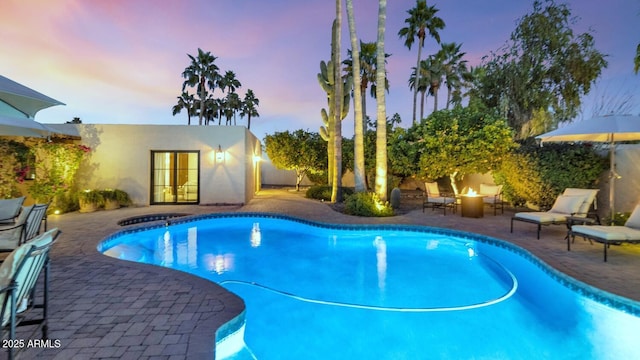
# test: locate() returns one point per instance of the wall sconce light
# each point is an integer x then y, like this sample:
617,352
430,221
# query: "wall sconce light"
219,155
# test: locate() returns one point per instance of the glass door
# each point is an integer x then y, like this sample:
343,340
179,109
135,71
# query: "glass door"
174,177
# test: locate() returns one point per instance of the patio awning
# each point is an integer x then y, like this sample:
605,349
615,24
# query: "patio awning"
24,99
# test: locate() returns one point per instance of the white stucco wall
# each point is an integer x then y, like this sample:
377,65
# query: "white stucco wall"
121,158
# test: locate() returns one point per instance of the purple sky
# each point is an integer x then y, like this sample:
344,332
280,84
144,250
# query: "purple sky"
120,61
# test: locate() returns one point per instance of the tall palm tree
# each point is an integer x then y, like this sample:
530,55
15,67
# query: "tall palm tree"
234,104
249,107
434,73
336,190
454,68
358,124
422,18
229,82
423,86
211,110
185,101
367,72
202,72
381,131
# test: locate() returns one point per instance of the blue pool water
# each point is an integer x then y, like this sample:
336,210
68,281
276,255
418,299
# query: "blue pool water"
318,291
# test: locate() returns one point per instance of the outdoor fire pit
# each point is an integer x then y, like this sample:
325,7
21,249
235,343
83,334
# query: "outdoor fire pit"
472,205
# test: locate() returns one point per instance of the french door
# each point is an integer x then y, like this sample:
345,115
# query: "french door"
175,177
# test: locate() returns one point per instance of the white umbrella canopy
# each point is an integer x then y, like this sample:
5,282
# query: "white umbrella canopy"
10,126
24,99
606,128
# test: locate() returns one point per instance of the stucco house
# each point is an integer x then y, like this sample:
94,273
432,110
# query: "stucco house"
170,164
154,164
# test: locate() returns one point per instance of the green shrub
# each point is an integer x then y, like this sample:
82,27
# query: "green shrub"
323,192
121,196
619,219
367,204
64,203
538,174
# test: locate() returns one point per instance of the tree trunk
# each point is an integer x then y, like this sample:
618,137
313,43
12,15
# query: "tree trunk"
358,136
452,179
417,83
336,190
381,131
202,96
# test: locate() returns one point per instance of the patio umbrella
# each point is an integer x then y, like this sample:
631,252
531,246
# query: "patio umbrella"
24,99
10,126
607,128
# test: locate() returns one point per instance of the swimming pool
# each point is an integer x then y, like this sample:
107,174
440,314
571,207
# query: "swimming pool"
318,291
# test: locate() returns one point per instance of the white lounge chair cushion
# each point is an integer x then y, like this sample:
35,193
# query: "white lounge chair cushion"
432,189
9,208
10,239
490,190
634,219
441,200
589,198
543,217
608,233
10,265
490,193
567,204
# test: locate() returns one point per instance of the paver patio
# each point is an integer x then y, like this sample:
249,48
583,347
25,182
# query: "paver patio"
105,308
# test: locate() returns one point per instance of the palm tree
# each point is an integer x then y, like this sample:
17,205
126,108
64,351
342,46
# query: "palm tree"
234,103
202,72
381,131
367,72
421,18
229,82
249,107
454,68
423,86
435,73
211,110
358,125
185,101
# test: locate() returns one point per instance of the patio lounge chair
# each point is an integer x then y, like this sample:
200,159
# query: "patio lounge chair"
27,226
434,199
572,203
9,210
19,275
492,195
607,235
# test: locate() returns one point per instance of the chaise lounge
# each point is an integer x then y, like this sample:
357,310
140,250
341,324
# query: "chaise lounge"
607,235
573,202
19,275
9,210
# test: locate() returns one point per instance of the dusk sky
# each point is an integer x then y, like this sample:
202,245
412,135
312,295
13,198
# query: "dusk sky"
120,61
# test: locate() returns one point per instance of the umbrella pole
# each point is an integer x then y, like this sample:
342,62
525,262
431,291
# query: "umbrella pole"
612,179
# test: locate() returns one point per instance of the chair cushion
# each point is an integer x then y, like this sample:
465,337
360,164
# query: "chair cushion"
608,233
590,198
542,217
490,190
567,204
9,239
441,200
7,271
10,265
432,188
634,219
9,208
